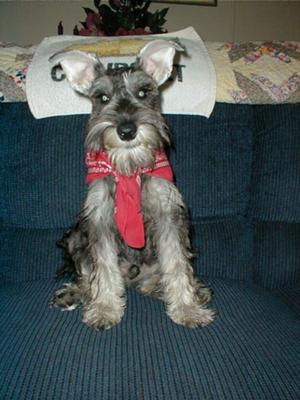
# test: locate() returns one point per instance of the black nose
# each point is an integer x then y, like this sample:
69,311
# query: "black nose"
127,130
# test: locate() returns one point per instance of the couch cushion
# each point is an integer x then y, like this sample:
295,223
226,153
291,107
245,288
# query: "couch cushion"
29,254
291,297
276,256
42,164
224,248
250,352
42,168
228,248
276,164
212,160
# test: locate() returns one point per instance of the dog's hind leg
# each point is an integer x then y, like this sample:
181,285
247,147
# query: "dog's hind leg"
73,243
148,281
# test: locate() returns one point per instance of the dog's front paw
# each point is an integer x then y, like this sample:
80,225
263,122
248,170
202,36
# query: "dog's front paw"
192,316
204,294
68,298
102,316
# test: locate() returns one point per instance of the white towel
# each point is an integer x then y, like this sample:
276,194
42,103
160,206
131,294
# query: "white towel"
193,90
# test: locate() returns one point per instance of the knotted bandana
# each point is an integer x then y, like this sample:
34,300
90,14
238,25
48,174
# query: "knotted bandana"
128,208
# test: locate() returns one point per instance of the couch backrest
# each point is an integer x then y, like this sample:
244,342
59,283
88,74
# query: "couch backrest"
237,170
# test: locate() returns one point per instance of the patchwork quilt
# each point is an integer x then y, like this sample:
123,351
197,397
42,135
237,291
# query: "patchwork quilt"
249,72
257,72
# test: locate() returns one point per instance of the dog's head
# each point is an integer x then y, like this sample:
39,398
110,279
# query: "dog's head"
126,120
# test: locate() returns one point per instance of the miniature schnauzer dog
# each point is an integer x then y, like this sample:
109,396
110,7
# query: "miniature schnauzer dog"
133,228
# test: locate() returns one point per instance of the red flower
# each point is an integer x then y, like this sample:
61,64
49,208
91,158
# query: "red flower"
137,31
85,32
91,32
110,19
116,3
140,31
92,20
121,32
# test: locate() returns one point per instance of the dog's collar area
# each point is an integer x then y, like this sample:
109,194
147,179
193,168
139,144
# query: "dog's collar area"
98,163
128,210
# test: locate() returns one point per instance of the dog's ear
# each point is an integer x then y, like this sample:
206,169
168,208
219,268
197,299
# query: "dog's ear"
80,68
156,59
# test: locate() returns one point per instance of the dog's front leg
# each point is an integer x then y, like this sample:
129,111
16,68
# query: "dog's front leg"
183,294
180,288
102,279
106,304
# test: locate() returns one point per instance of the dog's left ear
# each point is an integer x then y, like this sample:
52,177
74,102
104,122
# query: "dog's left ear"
156,59
79,67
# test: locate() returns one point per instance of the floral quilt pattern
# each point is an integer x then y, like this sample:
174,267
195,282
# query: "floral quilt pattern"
257,72
14,62
248,73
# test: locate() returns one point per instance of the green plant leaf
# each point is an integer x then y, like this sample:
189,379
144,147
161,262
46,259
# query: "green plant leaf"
97,3
126,19
109,22
127,14
163,12
83,23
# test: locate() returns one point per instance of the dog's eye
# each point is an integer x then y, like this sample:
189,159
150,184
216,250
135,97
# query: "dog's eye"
104,98
142,94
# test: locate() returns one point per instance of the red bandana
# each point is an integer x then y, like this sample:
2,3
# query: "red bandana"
128,212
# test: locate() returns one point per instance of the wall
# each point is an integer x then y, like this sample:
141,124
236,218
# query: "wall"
27,22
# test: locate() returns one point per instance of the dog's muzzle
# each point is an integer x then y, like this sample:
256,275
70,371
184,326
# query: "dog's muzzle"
127,131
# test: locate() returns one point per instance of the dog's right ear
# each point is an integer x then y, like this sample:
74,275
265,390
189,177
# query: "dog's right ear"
80,68
156,59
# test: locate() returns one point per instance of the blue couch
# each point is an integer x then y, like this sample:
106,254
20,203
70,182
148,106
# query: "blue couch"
239,172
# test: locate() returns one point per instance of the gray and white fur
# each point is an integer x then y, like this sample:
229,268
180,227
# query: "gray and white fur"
126,122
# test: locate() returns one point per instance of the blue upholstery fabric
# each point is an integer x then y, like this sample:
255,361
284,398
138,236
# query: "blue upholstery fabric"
29,254
276,165
42,163
290,296
224,248
250,352
239,174
212,160
277,254
43,179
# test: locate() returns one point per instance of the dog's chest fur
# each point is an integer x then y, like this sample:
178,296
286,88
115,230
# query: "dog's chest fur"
156,197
